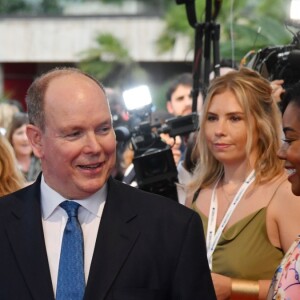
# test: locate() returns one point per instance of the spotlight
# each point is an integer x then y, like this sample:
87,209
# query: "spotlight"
294,19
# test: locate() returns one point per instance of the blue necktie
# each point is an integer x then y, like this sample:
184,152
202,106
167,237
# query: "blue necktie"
70,281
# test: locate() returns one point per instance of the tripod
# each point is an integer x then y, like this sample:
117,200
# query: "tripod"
207,34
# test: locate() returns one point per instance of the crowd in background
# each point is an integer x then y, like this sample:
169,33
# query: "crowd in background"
26,167
231,171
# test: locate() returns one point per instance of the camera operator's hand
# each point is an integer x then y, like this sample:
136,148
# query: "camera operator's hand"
277,88
174,144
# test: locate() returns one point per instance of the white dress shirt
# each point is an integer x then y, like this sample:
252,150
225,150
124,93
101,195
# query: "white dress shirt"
54,219
184,177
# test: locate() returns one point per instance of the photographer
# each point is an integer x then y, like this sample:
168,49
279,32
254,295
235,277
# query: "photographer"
179,103
119,118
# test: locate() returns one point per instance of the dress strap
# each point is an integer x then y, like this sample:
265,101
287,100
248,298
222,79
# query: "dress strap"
196,195
281,181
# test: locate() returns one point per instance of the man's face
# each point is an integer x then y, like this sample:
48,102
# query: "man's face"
78,147
181,101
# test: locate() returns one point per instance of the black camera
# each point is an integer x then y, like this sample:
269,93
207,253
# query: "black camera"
279,62
154,165
181,125
153,161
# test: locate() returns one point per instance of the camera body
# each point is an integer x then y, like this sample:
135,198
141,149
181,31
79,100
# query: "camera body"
279,62
154,165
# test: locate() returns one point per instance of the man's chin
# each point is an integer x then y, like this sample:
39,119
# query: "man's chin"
91,188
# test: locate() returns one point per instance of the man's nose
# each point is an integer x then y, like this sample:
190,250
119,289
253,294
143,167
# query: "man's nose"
92,144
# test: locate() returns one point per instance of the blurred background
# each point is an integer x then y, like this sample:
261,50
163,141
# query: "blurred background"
124,43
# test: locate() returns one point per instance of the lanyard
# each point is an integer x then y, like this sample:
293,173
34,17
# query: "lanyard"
213,237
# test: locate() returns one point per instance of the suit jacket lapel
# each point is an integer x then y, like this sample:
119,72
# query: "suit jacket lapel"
25,233
117,235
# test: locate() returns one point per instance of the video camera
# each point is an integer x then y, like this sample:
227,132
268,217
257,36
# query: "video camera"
281,62
154,165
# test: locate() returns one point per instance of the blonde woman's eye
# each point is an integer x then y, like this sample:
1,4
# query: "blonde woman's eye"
235,118
211,118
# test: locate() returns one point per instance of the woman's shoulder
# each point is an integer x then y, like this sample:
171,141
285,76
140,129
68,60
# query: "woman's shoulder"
282,185
283,215
194,197
276,183
282,192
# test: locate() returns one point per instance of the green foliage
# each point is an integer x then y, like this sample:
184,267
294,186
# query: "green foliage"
110,59
176,24
248,16
50,7
12,6
108,48
22,7
98,69
112,1
256,24
163,4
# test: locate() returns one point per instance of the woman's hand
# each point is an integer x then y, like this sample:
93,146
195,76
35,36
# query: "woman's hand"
222,285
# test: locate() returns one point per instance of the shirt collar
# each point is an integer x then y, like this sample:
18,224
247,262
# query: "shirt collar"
50,200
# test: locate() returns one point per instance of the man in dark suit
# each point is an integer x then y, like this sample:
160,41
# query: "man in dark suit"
136,245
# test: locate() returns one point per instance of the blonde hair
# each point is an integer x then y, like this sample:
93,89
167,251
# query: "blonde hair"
6,114
254,95
11,178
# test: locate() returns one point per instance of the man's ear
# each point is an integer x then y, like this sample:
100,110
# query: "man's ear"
169,107
34,135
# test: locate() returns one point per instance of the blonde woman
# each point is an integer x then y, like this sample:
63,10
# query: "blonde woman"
7,110
11,179
240,188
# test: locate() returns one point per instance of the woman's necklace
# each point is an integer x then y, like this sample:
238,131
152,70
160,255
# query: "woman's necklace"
225,195
229,197
213,235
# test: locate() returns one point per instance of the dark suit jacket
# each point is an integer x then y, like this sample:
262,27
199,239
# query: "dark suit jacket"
148,247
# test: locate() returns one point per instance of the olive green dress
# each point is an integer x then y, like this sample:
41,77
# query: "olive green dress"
244,250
